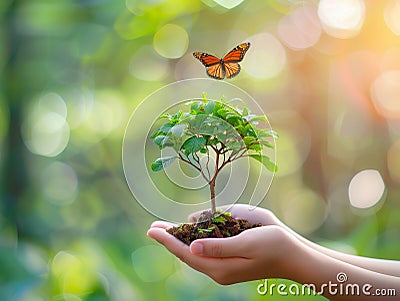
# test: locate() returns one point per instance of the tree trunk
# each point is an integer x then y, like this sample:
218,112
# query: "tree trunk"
13,175
212,194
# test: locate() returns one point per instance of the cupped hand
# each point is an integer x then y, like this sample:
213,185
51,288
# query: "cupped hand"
256,253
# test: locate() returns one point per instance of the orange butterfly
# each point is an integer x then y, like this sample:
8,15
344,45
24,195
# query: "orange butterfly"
227,66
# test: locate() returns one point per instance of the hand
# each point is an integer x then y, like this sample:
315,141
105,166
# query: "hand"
257,253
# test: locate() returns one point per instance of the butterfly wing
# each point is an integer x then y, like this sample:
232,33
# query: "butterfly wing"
231,61
228,66
213,64
206,59
236,54
231,69
216,71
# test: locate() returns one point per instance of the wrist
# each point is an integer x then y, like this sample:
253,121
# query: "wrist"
293,258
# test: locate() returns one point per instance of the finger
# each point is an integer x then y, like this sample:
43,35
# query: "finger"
162,224
220,247
174,245
181,250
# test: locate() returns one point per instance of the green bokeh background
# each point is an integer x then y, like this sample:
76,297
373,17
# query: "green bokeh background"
74,70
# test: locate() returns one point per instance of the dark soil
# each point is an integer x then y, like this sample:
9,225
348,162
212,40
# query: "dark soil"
207,226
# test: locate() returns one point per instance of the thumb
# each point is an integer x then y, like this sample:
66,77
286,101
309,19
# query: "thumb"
218,247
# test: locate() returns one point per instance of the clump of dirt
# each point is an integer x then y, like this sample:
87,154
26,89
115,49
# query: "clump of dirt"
208,225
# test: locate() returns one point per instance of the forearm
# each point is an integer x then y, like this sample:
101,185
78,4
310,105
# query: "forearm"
389,267
266,217
321,270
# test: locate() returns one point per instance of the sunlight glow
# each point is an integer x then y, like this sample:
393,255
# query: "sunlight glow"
392,16
385,93
342,19
301,28
366,188
171,41
267,59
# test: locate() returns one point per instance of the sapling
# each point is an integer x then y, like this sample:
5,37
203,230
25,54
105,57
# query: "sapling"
211,135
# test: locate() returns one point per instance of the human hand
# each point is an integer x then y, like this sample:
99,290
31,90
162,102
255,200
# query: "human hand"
262,252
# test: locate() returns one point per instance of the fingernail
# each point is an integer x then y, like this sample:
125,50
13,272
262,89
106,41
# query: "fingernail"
196,248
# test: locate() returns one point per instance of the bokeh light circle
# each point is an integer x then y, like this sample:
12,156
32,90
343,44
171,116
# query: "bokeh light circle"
385,92
392,16
342,19
267,59
45,130
137,154
366,188
171,41
229,4
301,28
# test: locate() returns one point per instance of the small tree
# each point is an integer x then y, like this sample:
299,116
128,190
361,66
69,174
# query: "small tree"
212,131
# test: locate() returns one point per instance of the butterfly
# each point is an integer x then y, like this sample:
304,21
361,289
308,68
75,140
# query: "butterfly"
228,66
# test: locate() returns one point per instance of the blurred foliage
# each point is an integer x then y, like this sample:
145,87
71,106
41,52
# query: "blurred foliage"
73,70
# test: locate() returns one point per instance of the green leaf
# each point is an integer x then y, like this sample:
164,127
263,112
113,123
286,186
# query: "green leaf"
203,150
222,113
221,136
166,115
162,163
159,141
226,213
241,129
234,119
219,219
178,129
257,118
245,112
166,128
271,166
194,144
195,107
156,133
274,134
255,146
209,107
206,230
248,140
196,121
268,133
267,144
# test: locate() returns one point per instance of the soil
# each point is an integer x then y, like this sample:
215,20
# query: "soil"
208,226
